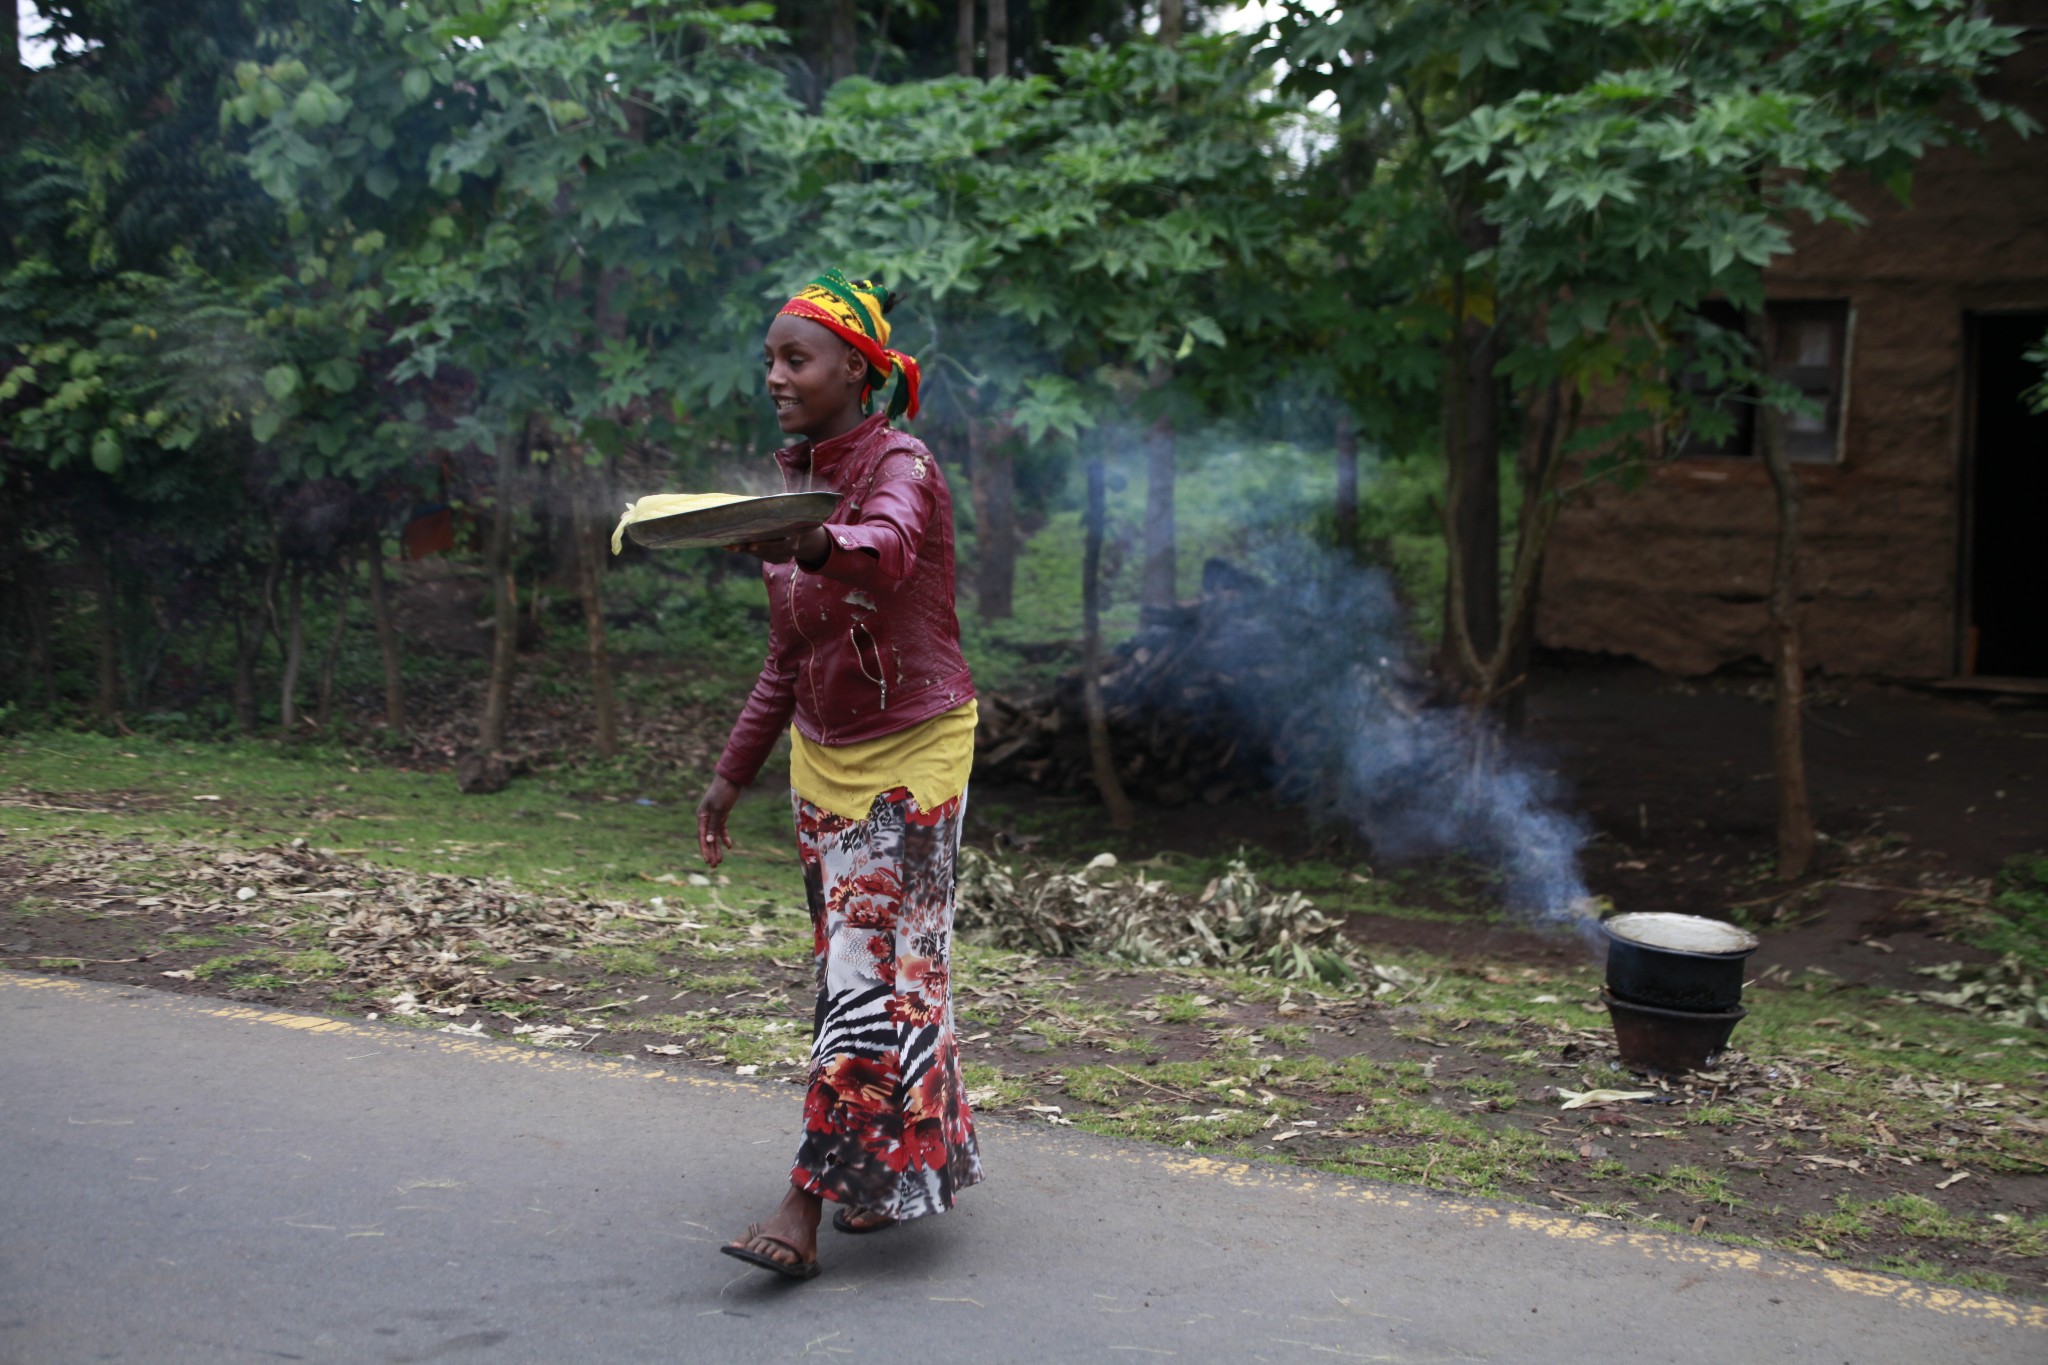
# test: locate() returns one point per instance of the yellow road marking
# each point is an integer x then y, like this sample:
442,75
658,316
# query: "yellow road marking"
1656,1246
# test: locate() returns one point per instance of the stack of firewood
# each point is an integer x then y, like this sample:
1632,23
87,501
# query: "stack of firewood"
1211,699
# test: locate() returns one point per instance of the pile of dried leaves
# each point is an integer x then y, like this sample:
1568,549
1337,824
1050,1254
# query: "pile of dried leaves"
2005,992
1235,922
396,932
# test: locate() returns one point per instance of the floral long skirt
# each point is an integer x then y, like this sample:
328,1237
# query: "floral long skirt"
886,1123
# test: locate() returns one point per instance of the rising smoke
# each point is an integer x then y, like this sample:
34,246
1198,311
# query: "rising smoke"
1353,735
1323,682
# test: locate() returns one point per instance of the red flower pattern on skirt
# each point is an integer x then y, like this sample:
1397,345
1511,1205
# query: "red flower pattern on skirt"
886,1123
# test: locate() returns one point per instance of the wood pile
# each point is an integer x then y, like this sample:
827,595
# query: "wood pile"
1208,700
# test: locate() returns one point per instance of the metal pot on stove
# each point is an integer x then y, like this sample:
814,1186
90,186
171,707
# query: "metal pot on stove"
1677,962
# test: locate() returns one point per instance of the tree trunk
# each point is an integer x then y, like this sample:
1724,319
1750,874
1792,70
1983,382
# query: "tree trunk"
995,514
505,618
1490,673
1472,492
1347,486
592,541
1172,20
249,629
1159,586
1537,458
1788,741
1102,760
214,621
247,641
46,654
998,38
106,626
294,651
844,40
387,640
963,39
323,715
42,651
12,75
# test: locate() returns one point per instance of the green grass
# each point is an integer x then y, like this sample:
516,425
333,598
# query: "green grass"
1694,1185
261,981
180,939
314,963
991,1088
738,1040
1183,1008
626,963
228,968
2019,925
720,983
1840,1232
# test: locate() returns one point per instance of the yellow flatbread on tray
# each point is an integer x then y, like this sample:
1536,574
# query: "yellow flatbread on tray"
690,521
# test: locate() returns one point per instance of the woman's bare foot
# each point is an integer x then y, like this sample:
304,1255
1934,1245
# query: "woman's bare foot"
794,1224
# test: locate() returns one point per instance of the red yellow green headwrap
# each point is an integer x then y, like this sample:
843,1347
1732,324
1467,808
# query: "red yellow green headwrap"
853,310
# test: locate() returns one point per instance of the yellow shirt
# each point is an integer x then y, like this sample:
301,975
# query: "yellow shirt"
931,758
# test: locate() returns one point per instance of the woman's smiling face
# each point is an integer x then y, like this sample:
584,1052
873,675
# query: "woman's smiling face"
814,378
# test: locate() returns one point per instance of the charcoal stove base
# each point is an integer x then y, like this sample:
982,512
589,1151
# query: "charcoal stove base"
1671,1041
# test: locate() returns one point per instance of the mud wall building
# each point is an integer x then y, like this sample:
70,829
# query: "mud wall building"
1925,482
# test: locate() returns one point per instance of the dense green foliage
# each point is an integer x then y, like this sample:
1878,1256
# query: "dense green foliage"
278,275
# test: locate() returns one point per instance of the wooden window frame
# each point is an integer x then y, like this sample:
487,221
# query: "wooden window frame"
1828,383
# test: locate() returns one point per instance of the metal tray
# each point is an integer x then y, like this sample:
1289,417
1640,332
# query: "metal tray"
731,523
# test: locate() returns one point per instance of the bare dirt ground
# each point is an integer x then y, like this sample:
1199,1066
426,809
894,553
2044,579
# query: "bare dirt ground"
1846,1120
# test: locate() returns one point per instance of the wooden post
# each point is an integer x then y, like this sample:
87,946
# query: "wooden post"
1158,588
106,625
505,617
994,491
592,541
1102,760
1347,486
387,639
323,714
294,650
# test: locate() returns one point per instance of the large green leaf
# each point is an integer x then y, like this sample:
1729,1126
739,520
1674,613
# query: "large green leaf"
281,381
107,455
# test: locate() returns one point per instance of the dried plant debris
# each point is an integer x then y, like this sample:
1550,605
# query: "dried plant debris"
1128,917
414,937
2005,992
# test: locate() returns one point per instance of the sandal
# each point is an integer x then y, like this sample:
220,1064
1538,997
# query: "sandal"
846,1224
795,1270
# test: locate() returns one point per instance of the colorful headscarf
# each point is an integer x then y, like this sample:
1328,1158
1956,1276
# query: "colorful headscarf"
852,309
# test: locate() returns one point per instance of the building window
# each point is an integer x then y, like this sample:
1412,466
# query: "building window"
1809,347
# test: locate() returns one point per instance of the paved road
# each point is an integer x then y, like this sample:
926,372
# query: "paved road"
187,1180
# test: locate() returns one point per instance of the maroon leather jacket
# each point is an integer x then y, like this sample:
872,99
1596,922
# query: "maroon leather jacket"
867,643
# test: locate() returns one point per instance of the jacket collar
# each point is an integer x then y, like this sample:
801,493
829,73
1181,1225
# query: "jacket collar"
826,460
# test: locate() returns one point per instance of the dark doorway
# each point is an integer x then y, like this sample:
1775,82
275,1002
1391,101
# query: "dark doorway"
2007,554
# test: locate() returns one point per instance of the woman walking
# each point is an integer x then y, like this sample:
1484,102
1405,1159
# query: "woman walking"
864,657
